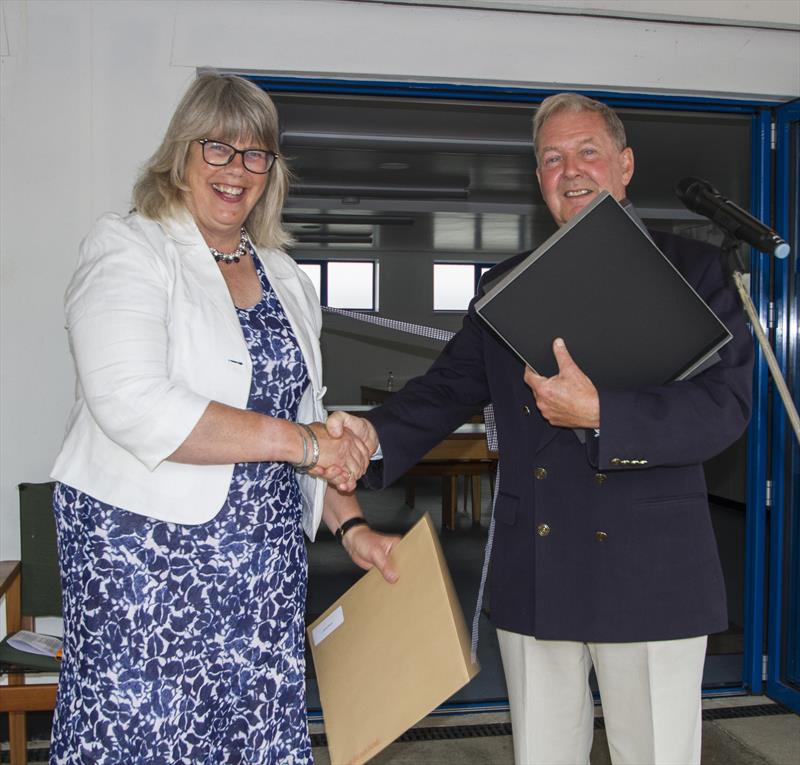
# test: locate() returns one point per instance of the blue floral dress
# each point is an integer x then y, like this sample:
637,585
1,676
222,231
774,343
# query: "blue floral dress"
184,644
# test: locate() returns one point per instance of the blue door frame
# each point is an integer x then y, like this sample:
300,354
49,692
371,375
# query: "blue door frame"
758,432
783,631
762,116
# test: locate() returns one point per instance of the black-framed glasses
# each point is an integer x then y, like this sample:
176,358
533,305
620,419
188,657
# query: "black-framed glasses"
220,154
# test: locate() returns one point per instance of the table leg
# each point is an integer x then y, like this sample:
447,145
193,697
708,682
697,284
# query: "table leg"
476,499
410,490
449,501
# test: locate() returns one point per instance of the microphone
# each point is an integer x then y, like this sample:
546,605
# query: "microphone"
701,197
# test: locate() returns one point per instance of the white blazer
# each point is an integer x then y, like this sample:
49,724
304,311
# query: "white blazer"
155,337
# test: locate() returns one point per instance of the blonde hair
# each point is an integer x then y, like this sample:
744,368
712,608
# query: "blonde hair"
574,102
229,109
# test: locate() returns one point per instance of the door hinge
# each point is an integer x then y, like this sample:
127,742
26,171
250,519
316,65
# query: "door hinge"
764,665
768,497
773,136
771,315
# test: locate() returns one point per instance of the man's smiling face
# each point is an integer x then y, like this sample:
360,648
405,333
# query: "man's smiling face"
577,160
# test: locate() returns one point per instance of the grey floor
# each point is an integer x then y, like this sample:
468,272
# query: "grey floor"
771,738
768,740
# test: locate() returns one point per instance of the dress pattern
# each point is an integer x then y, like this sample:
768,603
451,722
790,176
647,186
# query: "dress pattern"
184,644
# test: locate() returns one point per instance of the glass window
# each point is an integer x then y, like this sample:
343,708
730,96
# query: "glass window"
501,232
314,272
453,231
343,283
351,284
453,286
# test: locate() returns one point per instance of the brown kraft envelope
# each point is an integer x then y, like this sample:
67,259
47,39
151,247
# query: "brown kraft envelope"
388,654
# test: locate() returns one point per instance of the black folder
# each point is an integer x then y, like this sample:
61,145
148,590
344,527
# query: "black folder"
627,315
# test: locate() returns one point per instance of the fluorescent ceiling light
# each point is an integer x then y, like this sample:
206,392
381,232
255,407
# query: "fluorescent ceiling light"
301,238
470,145
344,218
387,191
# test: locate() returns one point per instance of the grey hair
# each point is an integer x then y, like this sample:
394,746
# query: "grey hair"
230,109
574,102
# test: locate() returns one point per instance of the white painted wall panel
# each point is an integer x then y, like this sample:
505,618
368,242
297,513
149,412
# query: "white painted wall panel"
434,43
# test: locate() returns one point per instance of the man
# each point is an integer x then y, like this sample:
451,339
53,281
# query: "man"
604,554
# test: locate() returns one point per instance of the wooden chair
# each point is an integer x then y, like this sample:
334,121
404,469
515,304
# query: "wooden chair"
32,588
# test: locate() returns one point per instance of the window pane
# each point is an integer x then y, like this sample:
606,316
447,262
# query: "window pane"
453,231
350,285
500,232
453,286
314,271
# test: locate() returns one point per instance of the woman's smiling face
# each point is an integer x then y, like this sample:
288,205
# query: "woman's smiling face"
221,198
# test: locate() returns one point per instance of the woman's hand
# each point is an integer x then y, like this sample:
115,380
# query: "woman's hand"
342,459
368,548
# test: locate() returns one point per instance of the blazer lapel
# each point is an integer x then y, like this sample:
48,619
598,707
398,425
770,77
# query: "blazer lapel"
196,260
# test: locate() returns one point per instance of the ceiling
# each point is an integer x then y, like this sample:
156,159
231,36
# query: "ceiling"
454,175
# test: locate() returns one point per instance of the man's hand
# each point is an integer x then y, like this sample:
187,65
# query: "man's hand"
343,458
358,426
347,427
568,400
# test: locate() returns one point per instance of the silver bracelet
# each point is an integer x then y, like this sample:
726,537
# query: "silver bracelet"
304,466
301,464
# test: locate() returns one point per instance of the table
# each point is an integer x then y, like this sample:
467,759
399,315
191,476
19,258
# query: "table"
463,453
374,395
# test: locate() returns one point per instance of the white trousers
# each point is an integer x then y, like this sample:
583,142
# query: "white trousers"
650,694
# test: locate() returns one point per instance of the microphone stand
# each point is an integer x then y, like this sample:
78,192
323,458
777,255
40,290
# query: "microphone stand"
735,266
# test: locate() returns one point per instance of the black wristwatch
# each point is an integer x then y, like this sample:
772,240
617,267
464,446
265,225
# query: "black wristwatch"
348,524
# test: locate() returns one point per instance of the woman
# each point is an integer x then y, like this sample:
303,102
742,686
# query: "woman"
183,481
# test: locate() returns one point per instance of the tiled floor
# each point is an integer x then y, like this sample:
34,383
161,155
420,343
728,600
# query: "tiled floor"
767,740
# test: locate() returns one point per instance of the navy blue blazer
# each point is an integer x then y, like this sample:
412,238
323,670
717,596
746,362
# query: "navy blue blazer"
610,541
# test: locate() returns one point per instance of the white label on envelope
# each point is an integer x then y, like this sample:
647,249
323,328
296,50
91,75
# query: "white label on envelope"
327,625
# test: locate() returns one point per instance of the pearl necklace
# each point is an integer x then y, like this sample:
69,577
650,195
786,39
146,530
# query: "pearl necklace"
231,257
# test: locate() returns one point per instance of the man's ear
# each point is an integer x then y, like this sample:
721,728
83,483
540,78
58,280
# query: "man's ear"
627,164
539,177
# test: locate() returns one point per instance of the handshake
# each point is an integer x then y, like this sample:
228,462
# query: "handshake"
345,444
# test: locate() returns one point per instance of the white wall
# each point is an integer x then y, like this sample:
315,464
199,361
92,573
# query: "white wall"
87,88
778,14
